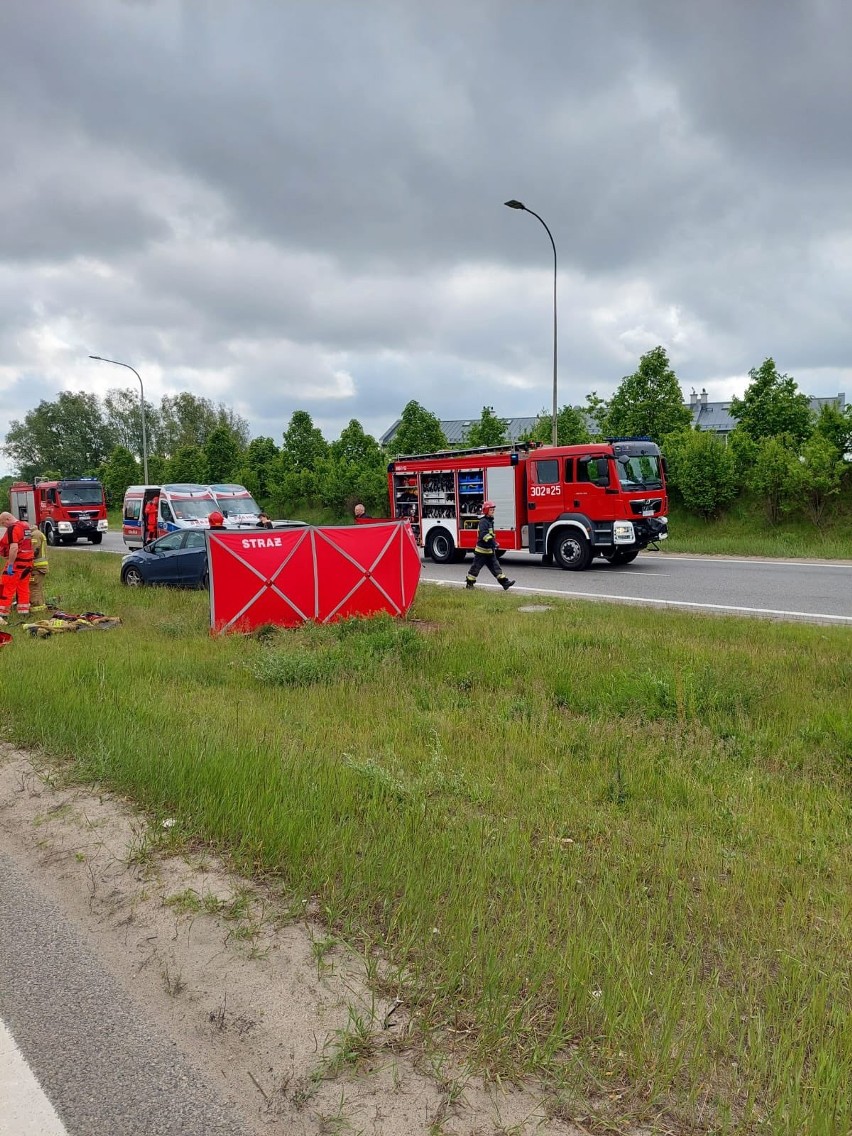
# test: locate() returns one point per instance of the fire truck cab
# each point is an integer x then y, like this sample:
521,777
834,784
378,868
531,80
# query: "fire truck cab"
564,503
64,510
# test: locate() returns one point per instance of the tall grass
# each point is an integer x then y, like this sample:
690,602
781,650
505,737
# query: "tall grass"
745,531
603,845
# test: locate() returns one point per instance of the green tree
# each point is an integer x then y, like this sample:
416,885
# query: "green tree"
489,430
419,432
594,414
188,464
123,417
571,428
836,425
773,405
258,467
702,470
775,476
304,446
355,470
118,471
69,436
822,471
186,420
223,452
649,402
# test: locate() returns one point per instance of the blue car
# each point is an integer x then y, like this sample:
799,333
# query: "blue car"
177,558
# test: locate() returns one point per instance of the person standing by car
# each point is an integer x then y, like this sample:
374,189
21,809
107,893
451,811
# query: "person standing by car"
485,553
152,510
40,569
216,520
17,548
263,521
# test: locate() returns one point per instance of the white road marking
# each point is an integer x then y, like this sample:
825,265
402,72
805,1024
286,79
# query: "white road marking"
643,601
24,1109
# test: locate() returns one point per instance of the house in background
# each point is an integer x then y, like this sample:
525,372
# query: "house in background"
706,415
716,416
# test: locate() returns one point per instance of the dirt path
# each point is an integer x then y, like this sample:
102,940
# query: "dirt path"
263,1002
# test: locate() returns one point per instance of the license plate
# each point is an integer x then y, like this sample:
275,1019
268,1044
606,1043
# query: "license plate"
647,512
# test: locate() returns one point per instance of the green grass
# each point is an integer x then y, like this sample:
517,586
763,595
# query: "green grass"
745,531
602,845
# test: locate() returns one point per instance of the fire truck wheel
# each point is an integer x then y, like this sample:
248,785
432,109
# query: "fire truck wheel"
440,546
96,539
51,535
621,556
572,551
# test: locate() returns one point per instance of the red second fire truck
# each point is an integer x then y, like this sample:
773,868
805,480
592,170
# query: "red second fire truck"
63,510
565,503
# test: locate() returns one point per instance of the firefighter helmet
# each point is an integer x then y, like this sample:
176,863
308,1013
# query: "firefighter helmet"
216,520
488,505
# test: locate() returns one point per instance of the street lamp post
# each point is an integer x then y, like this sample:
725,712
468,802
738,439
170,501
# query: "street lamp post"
520,205
101,359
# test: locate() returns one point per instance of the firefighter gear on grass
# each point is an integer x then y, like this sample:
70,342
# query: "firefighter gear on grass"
39,572
17,547
485,553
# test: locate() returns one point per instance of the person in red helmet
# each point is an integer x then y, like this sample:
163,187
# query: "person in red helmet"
485,553
216,520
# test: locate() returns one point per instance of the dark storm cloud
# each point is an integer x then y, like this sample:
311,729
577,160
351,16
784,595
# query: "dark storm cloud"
299,205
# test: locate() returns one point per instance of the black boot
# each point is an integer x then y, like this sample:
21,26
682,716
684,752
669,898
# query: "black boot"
507,583
469,583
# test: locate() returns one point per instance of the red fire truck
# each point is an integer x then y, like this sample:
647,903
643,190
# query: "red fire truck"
564,503
63,510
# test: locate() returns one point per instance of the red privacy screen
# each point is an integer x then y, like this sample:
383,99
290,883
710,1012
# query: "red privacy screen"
288,576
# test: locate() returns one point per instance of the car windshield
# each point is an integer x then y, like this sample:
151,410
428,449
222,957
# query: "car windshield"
236,506
81,494
193,509
639,472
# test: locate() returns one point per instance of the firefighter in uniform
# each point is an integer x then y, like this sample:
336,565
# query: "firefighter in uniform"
39,572
17,547
485,553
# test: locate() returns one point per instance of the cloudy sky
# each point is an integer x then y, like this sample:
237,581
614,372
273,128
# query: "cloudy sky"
298,204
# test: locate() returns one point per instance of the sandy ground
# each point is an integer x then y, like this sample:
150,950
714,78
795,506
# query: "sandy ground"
267,1005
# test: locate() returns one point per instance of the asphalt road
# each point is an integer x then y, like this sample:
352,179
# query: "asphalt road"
812,590
106,1069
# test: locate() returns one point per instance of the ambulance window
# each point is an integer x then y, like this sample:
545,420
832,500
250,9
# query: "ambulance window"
166,512
547,472
132,509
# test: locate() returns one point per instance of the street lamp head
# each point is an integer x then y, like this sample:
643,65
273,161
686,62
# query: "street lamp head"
515,204
98,357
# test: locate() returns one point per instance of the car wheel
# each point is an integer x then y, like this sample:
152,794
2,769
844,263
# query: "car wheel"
572,551
205,581
133,577
96,539
440,546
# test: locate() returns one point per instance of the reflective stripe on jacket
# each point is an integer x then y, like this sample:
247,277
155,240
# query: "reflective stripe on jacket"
486,542
39,544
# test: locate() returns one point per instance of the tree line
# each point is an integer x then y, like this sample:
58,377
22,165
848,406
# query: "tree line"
793,460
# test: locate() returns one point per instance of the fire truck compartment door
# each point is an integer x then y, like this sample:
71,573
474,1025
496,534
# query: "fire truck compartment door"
500,488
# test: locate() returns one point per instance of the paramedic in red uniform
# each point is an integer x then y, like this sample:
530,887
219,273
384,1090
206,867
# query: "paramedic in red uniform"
17,548
151,510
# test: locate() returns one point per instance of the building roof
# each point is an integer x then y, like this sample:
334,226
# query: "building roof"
706,415
456,428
